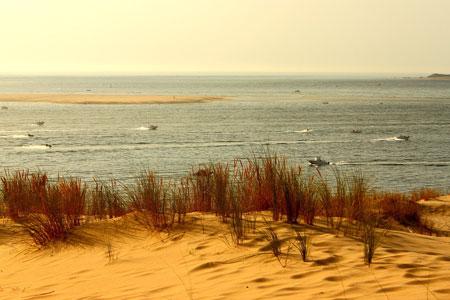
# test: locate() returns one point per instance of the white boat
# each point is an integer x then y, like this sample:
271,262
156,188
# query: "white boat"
403,137
317,161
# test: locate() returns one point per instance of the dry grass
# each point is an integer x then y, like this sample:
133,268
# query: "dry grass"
149,198
424,194
106,200
269,183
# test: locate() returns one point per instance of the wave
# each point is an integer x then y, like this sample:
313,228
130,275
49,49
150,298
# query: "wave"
389,139
307,130
396,163
142,128
33,147
15,136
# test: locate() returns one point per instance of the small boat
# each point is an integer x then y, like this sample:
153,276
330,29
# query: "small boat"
4,107
297,91
317,161
40,123
325,102
152,127
356,131
48,145
30,135
403,137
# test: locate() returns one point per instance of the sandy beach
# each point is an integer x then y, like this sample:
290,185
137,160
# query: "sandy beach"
118,259
105,99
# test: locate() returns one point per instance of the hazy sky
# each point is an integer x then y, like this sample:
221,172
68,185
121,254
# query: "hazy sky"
176,36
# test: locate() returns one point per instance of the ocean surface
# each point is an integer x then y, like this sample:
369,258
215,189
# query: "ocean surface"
106,141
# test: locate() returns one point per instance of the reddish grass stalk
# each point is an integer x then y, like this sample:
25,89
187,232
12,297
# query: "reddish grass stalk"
220,179
202,188
149,197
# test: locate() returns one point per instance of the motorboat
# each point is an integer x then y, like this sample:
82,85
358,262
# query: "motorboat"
48,145
30,135
356,131
40,123
5,107
152,127
403,137
317,161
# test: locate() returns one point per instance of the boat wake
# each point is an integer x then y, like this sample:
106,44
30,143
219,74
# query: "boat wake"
395,163
389,139
15,136
33,147
307,130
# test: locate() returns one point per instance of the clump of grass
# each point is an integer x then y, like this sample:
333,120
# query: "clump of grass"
47,211
325,196
397,206
271,167
21,191
310,201
340,198
303,244
357,194
107,200
180,200
424,194
110,252
220,179
73,194
49,224
202,188
149,199
237,222
370,238
292,186
274,242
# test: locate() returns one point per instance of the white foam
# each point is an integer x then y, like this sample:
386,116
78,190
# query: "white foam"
19,136
389,139
142,128
307,130
34,147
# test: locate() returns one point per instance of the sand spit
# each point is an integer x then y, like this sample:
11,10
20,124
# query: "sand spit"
104,99
120,260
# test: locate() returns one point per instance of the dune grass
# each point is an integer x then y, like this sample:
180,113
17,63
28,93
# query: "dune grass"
49,210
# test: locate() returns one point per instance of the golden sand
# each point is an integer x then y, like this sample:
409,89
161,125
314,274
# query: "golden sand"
121,260
104,99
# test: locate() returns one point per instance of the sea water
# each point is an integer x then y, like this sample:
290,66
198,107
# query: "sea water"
300,117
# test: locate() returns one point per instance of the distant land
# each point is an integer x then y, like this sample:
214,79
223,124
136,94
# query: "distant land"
105,99
439,76
434,76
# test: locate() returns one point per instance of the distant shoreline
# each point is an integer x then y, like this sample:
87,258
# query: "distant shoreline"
435,76
105,99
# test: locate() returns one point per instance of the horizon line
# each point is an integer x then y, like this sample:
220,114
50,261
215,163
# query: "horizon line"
203,73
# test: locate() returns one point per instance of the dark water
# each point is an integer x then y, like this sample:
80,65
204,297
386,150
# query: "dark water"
108,140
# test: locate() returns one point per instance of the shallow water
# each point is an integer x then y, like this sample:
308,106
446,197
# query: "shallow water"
112,140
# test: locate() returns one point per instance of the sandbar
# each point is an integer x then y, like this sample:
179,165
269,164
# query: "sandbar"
106,99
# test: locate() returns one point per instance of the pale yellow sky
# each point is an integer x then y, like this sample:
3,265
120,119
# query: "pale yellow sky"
177,36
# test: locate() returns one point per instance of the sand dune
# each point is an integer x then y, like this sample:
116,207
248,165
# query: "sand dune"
121,260
104,99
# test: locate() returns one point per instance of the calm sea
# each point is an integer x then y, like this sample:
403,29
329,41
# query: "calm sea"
262,111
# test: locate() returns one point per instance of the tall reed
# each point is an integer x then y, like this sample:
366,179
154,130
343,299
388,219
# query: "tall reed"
106,200
149,198
221,190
